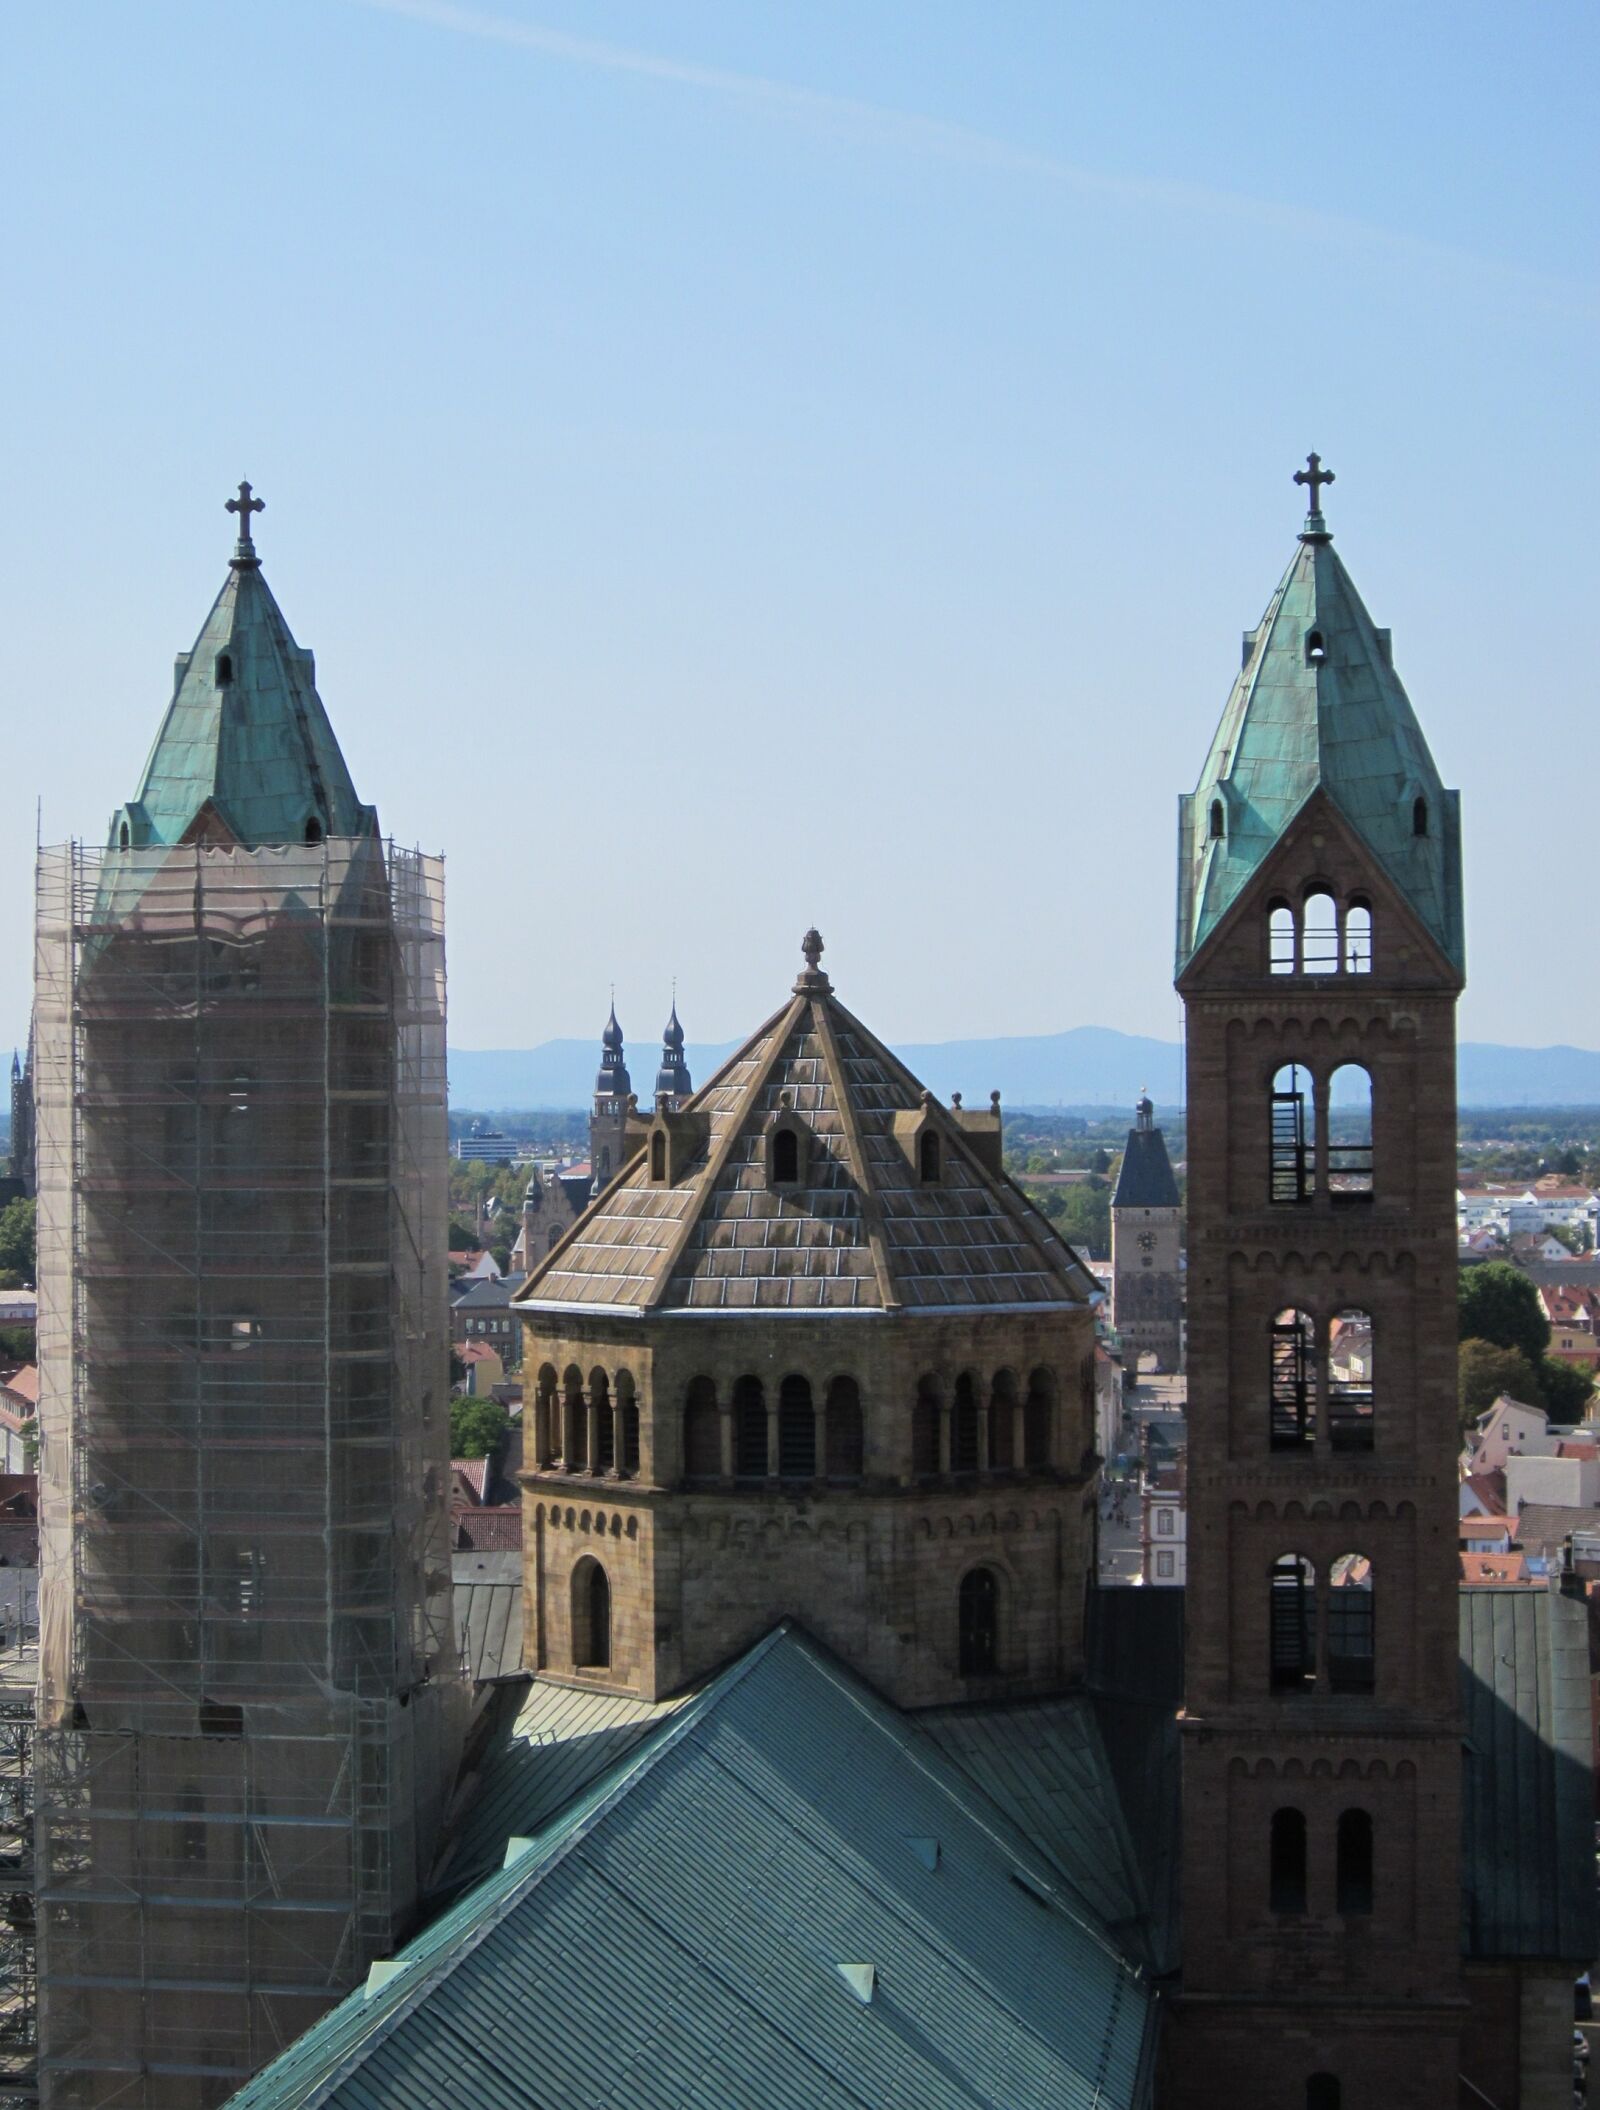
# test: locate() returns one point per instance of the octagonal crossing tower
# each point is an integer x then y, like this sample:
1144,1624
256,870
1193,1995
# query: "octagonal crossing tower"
249,1698
1319,958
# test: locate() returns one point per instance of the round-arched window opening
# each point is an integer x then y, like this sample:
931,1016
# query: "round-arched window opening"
224,669
785,1156
979,1618
1216,820
1316,650
928,1157
313,830
122,836
1419,816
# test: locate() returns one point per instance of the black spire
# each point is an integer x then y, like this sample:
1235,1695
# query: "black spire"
612,1080
673,1079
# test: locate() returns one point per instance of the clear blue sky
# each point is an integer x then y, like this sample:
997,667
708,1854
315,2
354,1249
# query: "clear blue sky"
741,465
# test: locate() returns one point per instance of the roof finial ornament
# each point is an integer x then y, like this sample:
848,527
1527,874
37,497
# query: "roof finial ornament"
244,550
1314,476
813,978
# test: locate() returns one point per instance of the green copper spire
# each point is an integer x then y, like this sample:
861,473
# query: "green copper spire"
245,752
1317,705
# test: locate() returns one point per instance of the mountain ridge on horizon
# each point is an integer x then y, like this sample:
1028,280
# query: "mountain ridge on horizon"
1083,1067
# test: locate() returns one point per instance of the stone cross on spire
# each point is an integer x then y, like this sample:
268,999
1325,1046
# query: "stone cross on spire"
244,550
1314,476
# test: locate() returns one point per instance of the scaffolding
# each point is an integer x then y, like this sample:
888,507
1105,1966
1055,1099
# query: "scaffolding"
249,1700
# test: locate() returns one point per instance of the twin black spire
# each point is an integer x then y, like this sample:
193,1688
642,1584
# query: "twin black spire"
672,1078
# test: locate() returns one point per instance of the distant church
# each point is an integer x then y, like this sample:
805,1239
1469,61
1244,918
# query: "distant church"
1147,1248
832,1778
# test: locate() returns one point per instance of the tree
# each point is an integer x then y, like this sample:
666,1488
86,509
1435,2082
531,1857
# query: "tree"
477,1427
1567,1387
463,1239
17,1252
1486,1370
1499,1303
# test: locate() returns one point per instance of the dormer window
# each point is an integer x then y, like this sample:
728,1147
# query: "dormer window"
313,830
785,1157
224,671
1316,650
122,836
928,1163
1419,816
658,1156
788,1145
1216,820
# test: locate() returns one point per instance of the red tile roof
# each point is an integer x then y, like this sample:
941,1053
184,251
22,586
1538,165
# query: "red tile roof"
1481,1569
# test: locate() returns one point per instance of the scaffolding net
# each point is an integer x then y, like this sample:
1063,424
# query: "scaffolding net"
249,1700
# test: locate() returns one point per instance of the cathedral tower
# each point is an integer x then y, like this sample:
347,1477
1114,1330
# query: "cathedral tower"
1320,956
613,1103
249,1703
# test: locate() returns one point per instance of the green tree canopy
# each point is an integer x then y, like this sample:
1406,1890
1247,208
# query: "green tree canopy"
1567,1388
17,1254
1486,1370
477,1427
1499,1303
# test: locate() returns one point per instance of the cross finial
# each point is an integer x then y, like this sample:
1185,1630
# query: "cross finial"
1314,476
244,550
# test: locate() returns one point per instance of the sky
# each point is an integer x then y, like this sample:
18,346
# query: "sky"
749,465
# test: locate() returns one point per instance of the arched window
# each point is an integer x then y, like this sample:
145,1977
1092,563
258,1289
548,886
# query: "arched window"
603,1168
749,1429
702,1431
313,830
1292,1165
591,1616
575,1433
1003,1421
964,1426
925,1429
1286,1879
928,1157
1293,1420
1352,1662
223,672
785,1157
1216,820
546,1436
1039,1419
1316,649
1350,1134
122,835
1354,1891
555,1236
605,1441
627,1425
1323,2092
979,1623
845,1434
797,1431
1292,1624
1419,816
658,1156
1350,1380
1358,938
1281,938
1319,935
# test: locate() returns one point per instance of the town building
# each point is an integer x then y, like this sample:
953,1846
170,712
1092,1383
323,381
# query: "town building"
1165,1530
249,1697
1147,1249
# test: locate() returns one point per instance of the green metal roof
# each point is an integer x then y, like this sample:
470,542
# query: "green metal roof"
245,734
1528,1790
1296,722
698,1927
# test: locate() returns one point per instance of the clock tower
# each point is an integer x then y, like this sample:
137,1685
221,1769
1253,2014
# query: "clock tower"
1147,1248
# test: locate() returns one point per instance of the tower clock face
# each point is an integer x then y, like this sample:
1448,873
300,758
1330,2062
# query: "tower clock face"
1147,1241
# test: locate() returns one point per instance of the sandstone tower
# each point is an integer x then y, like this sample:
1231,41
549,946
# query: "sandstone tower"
1320,956
249,1710
810,1353
1147,1248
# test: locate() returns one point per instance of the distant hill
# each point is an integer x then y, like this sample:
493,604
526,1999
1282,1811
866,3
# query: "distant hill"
1087,1067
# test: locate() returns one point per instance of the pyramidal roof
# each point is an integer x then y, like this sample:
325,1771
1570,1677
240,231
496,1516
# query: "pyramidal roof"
862,1232
1146,1179
245,747
1317,705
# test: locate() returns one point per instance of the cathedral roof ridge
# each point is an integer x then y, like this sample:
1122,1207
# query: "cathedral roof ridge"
866,1223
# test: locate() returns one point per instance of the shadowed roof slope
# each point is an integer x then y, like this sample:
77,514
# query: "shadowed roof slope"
1317,703
860,1230
245,735
789,1897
